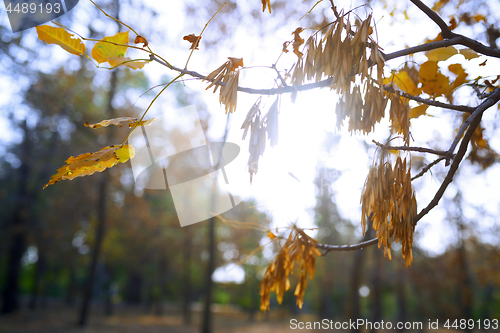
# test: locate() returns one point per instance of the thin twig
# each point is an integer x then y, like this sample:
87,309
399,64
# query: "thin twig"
427,168
279,75
330,248
406,148
202,31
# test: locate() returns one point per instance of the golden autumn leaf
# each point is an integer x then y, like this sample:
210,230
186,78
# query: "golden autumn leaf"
59,36
469,54
90,163
433,81
403,80
418,111
126,61
441,54
102,51
118,122
458,70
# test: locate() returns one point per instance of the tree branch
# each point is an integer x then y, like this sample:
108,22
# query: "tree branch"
494,97
330,248
445,30
463,108
406,148
451,36
451,172
427,168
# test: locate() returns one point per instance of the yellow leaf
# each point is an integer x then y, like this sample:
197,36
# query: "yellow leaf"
404,82
469,54
90,163
441,54
433,82
59,36
479,17
458,70
118,121
102,51
125,153
125,61
418,111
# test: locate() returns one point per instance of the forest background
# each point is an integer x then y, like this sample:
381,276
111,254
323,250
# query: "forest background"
152,274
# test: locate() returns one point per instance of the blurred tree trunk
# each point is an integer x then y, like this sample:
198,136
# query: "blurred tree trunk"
134,287
101,214
401,295
355,280
206,324
376,301
108,302
466,288
186,276
40,268
71,290
10,294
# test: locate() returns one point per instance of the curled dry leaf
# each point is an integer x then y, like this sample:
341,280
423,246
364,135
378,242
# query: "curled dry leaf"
118,122
139,39
297,42
194,40
126,61
90,163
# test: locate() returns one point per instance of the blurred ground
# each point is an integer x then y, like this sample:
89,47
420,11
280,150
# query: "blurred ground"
57,318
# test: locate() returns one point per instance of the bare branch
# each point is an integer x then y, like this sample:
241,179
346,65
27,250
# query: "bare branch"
427,168
445,30
494,97
458,39
330,248
406,148
463,108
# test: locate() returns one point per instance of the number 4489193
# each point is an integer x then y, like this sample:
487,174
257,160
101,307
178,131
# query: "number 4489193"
33,8
461,324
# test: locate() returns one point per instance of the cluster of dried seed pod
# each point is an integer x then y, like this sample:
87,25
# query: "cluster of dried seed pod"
349,58
300,248
399,114
388,200
228,74
258,127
